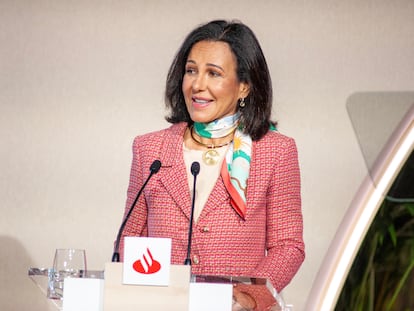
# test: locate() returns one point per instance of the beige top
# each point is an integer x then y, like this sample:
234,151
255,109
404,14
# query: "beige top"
207,177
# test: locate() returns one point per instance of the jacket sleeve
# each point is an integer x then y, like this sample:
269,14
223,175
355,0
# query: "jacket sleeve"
284,224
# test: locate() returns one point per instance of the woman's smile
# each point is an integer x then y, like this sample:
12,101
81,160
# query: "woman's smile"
201,102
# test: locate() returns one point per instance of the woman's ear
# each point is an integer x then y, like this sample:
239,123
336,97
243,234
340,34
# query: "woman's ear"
244,90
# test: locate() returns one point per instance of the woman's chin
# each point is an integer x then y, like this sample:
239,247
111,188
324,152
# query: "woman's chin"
201,118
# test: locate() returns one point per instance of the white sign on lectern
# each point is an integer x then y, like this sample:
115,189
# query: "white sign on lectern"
147,261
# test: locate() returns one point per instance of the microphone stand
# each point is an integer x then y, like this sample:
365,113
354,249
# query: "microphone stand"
155,167
195,169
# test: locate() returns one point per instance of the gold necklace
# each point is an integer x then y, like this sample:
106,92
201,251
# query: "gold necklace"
210,156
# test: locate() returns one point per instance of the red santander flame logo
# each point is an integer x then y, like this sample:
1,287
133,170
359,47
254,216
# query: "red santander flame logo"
147,264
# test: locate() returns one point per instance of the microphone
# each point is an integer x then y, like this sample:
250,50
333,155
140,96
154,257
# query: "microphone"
154,168
195,169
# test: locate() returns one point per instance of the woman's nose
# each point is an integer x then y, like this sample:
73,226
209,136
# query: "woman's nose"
199,83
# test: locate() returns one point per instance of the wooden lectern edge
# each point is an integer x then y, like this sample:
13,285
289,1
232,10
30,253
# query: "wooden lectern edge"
118,296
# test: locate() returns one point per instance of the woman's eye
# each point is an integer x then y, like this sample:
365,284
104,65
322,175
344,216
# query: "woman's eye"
190,70
215,73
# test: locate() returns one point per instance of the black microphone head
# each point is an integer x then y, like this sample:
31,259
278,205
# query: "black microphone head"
195,168
155,166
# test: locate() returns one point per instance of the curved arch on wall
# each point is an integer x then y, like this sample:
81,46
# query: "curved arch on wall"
362,210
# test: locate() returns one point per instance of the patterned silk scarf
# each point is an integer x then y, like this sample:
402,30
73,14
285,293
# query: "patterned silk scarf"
236,167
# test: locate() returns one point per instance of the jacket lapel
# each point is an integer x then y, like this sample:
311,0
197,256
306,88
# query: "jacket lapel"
218,197
174,176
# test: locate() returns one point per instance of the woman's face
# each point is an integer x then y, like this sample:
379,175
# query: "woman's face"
211,87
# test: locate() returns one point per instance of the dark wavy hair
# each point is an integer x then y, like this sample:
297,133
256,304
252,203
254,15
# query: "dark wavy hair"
251,69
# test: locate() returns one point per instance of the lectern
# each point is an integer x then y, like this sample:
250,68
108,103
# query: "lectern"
185,292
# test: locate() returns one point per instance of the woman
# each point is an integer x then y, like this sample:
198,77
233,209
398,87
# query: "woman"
247,219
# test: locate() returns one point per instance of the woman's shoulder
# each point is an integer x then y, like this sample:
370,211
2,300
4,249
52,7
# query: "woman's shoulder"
275,146
274,139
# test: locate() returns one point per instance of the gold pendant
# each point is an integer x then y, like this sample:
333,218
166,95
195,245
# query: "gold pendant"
211,157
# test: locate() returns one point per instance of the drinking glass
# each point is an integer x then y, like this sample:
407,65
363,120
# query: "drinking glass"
67,263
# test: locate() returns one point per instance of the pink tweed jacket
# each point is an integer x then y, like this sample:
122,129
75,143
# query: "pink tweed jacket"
267,243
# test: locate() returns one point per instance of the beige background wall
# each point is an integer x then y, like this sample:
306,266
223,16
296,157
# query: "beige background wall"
79,79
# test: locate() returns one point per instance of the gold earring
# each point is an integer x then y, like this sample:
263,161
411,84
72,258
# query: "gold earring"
242,103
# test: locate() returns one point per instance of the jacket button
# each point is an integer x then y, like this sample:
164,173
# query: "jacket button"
205,229
196,260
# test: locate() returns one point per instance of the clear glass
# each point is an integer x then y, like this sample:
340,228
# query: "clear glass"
67,263
375,116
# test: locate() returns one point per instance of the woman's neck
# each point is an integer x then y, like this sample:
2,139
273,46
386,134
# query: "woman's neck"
211,142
